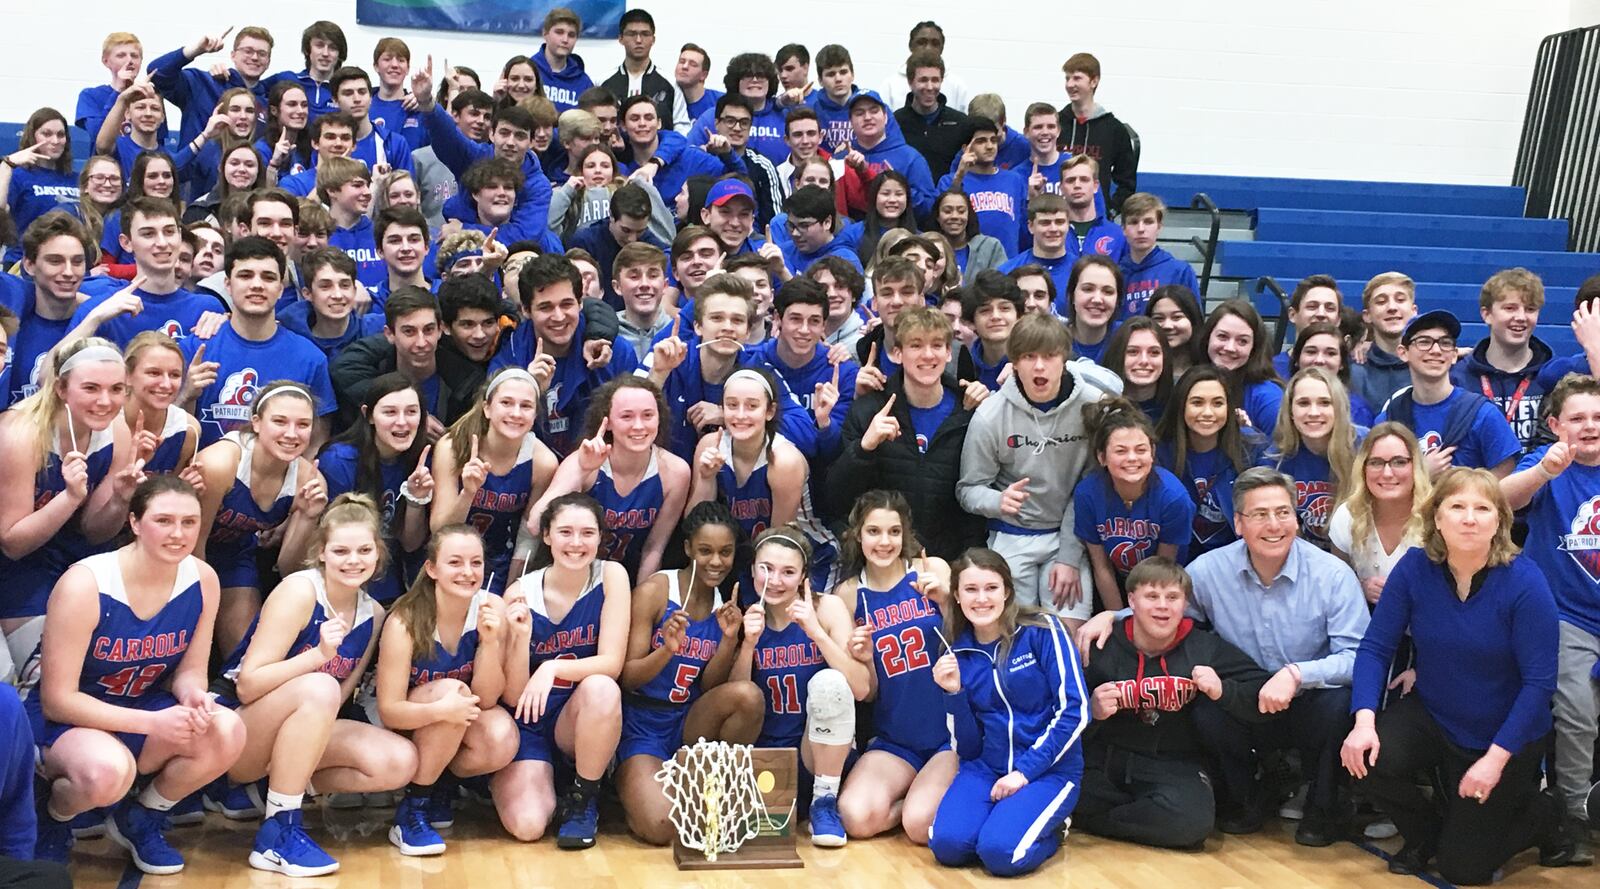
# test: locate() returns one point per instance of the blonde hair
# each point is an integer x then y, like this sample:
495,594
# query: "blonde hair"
418,607
1452,482
1142,203
1286,441
1386,279
1359,499
39,409
349,508
1080,160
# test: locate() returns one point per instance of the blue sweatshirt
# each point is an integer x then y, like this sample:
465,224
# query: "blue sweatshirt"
1380,377
1159,268
1517,393
18,824
687,386
1060,269
458,154
396,119
766,131
892,153
803,381
562,88
34,192
1564,539
1001,201
1103,237
682,161
195,91
706,102
356,242
1028,716
296,317
1486,667
834,119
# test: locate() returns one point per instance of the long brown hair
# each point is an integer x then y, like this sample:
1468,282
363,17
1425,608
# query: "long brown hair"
851,558
419,607
1014,615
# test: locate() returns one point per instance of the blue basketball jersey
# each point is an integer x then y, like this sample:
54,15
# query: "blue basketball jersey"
1208,477
679,681
1314,492
30,578
169,443
630,516
905,642
310,636
783,663
576,635
751,505
339,465
239,517
441,663
497,510
129,657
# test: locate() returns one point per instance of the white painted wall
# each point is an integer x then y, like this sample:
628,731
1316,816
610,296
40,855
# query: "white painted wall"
1422,90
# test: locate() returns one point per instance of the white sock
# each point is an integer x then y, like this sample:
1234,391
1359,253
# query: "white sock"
283,802
154,801
821,787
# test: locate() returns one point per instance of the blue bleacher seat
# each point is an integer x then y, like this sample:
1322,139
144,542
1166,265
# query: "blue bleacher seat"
1250,193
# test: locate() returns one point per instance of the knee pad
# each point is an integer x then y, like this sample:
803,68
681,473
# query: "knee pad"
830,709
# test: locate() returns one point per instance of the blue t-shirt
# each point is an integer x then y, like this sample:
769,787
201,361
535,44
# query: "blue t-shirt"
1564,539
34,192
925,421
1000,200
1208,477
1130,534
172,313
1488,442
246,367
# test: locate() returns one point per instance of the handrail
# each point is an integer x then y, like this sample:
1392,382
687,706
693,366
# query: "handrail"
1267,283
1560,140
1208,249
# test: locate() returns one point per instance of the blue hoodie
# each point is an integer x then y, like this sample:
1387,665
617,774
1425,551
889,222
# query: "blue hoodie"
766,132
356,242
297,317
1159,268
562,88
803,381
835,118
892,153
682,162
1104,237
1027,715
1518,394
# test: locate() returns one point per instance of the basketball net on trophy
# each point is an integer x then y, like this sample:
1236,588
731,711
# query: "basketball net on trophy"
733,805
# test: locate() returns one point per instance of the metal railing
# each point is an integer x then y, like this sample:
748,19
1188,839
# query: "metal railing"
1558,156
1268,284
1208,247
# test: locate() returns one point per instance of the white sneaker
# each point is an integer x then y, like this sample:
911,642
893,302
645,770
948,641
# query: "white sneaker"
1381,829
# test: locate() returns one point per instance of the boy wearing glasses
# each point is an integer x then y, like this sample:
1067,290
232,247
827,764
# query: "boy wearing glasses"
1455,426
813,229
638,75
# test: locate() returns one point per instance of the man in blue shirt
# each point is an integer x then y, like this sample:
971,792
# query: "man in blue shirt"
377,147
694,65
1299,613
1047,223
1091,231
561,69
1315,300
998,196
813,229
196,92
1455,426
629,222
156,301
325,49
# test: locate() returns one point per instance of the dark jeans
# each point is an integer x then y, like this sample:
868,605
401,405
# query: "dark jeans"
18,874
1315,724
1143,799
1470,839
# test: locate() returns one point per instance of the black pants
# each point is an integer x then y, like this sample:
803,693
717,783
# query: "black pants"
1142,799
1315,724
18,874
1470,839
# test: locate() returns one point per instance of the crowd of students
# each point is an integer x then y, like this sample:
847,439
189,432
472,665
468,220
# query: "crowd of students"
488,438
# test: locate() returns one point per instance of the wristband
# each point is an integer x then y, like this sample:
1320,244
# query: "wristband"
1545,473
405,491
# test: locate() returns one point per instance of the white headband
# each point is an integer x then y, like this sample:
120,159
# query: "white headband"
748,374
88,354
506,376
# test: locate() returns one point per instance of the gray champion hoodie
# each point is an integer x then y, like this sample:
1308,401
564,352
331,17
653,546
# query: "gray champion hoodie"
1010,439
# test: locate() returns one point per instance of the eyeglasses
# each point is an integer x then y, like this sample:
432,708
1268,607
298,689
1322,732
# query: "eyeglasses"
254,53
105,178
1398,464
796,226
1260,516
735,123
1427,343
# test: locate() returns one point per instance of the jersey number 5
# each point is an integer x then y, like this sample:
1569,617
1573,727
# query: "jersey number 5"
132,682
903,652
682,681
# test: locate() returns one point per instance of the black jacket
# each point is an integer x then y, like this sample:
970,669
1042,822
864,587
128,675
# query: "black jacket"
370,357
662,92
928,480
961,368
1156,691
1106,139
938,142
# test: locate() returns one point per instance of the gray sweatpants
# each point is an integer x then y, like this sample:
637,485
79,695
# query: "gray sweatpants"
1577,710
1030,557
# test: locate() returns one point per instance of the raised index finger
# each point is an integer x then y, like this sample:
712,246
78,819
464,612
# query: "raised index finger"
422,459
836,375
887,406
198,354
872,355
226,33
677,321
474,447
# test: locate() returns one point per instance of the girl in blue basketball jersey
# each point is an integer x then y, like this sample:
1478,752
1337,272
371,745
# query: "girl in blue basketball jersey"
165,435
898,597
569,638
490,466
70,439
675,681
1315,444
257,481
624,465
1201,442
796,650
296,668
441,671
1129,509
1017,704
385,458
122,691
761,476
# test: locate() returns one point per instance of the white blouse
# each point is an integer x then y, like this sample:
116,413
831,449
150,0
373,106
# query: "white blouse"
1368,556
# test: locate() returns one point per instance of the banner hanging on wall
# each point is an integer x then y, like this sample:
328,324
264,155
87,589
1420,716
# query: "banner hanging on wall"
600,17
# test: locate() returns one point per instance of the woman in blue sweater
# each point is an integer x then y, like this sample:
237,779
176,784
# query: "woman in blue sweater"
1017,728
1483,623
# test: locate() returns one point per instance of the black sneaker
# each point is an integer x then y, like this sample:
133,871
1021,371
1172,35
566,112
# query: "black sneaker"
1240,820
1557,848
1318,831
1411,860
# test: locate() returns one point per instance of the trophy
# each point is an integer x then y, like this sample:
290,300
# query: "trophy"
733,805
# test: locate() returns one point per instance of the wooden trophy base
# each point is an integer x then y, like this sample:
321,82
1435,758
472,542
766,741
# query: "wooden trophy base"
757,853
777,773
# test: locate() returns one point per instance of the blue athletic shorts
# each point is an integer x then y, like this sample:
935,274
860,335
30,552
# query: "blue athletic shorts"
46,733
917,758
651,730
537,740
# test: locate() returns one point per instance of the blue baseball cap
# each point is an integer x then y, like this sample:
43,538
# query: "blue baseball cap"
866,94
726,190
1438,319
